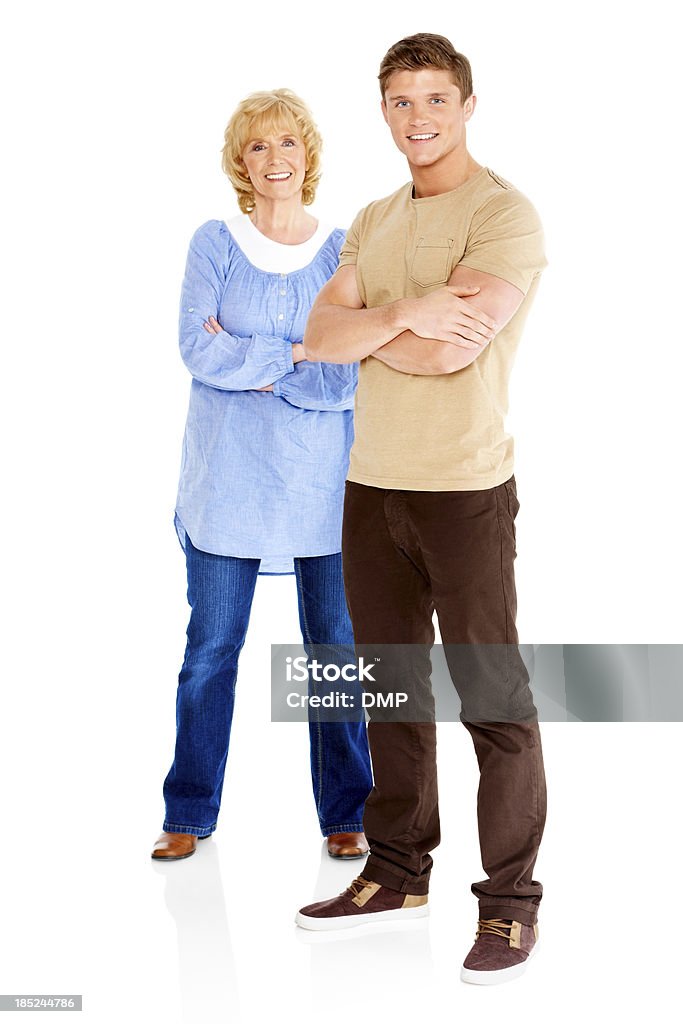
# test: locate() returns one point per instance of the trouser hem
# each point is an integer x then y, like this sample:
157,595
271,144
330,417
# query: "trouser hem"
333,830
399,883
201,831
513,910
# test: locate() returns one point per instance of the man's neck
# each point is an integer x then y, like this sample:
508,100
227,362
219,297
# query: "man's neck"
444,175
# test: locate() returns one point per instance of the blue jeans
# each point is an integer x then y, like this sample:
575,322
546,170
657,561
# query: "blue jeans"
220,591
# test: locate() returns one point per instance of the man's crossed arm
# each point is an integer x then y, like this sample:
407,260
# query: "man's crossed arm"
441,332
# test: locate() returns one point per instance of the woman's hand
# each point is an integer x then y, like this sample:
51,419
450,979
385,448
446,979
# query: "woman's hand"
213,327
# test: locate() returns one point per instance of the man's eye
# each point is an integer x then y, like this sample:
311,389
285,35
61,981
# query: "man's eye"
402,103
436,99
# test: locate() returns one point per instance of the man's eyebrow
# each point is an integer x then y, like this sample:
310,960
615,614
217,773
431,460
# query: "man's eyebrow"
430,95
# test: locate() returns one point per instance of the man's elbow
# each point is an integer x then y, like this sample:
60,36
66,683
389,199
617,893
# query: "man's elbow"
451,358
444,359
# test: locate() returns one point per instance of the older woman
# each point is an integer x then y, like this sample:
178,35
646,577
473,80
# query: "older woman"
264,460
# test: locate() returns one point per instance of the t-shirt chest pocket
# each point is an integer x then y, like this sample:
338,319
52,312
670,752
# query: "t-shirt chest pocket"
431,261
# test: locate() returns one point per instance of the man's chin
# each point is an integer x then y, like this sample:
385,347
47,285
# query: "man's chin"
422,159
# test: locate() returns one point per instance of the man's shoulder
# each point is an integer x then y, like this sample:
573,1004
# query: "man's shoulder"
496,194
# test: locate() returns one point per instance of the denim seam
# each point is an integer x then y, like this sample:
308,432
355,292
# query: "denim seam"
308,640
202,828
353,826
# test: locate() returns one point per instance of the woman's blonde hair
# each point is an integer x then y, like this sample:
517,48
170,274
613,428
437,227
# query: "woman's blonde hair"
263,113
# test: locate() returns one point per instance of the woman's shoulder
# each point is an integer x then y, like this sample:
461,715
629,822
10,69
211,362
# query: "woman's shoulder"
333,239
212,232
338,235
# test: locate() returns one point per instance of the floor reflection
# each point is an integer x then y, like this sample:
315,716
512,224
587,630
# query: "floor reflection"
367,953
206,967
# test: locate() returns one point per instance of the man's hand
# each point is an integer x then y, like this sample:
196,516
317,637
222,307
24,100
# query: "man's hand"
410,353
444,316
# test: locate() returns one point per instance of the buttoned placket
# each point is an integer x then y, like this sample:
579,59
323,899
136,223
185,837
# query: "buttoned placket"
281,299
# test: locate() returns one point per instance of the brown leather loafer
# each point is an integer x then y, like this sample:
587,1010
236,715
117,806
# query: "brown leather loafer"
347,845
174,846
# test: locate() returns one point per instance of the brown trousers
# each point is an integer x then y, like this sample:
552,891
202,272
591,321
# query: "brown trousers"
406,554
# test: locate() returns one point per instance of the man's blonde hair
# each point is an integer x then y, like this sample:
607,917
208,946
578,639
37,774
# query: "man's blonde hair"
266,113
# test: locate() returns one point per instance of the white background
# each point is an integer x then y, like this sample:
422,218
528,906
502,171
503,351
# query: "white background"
112,136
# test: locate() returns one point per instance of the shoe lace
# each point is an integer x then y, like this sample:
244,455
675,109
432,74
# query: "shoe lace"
494,926
356,887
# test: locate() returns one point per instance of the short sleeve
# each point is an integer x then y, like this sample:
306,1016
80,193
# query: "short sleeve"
506,240
348,256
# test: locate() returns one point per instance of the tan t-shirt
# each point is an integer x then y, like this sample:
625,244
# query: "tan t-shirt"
443,432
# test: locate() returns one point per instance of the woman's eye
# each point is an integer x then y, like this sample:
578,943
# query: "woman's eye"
289,142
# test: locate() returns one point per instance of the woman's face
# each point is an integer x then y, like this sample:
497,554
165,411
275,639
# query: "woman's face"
276,165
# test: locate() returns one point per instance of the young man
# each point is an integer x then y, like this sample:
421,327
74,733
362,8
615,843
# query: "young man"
432,291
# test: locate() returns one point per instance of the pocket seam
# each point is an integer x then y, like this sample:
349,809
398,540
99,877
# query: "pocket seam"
424,243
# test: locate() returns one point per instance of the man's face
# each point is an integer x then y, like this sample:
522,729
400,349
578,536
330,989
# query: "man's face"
425,114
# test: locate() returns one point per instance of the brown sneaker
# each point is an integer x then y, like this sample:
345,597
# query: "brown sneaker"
500,952
361,903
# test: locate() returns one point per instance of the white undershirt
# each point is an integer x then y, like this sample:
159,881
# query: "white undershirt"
275,257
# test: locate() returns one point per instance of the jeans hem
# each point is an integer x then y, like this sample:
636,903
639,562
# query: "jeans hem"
201,831
333,830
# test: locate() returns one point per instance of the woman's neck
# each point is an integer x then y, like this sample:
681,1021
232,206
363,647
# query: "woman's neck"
283,221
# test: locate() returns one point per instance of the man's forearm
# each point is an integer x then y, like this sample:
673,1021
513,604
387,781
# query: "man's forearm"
340,334
408,353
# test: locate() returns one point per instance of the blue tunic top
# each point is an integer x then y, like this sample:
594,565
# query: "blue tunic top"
262,473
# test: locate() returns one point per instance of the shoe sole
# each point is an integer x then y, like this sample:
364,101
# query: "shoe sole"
325,924
177,856
347,856
306,937
499,977
180,856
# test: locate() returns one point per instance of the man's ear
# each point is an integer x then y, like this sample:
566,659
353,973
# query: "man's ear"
469,106
384,112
